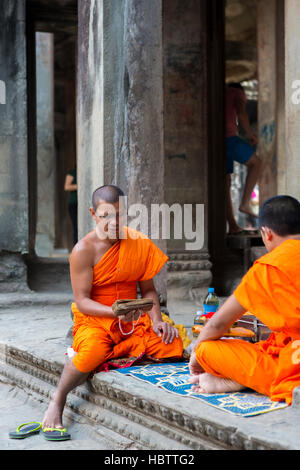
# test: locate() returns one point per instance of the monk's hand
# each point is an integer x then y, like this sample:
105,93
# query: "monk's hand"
194,366
166,330
131,316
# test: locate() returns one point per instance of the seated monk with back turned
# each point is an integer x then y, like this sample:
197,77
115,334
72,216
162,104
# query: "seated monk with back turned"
271,291
106,265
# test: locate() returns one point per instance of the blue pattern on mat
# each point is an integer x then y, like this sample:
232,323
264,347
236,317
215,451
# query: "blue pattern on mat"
174,377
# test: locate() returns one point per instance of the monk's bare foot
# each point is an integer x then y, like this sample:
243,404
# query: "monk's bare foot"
246,209
53,415
194,379
209,383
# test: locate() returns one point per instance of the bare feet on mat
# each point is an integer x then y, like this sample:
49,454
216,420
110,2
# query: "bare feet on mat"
209,383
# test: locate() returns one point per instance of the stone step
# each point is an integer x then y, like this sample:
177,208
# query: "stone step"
119,404
33,345
37,299
151,418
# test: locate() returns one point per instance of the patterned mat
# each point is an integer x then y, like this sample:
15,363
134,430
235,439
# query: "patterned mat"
174,377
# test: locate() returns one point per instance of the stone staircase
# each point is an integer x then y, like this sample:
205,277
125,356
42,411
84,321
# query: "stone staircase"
32,356
149,418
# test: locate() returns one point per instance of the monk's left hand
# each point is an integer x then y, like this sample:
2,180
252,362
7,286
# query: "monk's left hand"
132,316
167,331
194,366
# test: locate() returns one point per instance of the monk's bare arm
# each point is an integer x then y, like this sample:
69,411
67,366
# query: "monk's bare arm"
222,320
161,328
81,270
148,291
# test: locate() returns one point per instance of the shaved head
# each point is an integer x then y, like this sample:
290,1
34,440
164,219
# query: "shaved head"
281,214
108,193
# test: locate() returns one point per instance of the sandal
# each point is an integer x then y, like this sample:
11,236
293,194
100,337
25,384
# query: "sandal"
26,430
56,434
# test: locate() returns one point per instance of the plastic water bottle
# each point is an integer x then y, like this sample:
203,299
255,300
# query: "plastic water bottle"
211,303
198,320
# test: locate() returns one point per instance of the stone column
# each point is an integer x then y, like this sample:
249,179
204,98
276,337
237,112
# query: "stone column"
280,108
90,145
266,44
144,111
101,113
292,97
14,237
185,141
45,230
120,104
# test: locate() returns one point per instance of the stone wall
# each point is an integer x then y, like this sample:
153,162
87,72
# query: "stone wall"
13,129
14,235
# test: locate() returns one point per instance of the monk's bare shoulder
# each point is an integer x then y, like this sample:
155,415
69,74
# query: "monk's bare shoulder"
83,253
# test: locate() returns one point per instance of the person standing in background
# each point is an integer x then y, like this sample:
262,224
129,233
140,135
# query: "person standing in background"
71,186
237,149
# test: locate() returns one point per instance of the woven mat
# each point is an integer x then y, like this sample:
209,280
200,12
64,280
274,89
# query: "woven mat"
174,377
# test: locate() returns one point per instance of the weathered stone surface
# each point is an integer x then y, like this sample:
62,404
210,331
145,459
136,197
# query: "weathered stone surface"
13,273
45,228
120,104
144,109
266,29
188,285
185,138
292,103
189,276
128,407
13,129
32,356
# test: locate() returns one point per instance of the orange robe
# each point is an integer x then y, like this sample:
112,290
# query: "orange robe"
98,339
270,291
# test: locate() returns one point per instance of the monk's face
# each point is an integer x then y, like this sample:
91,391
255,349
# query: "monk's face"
109,218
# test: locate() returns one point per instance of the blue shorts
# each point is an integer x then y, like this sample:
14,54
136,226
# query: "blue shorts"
237,150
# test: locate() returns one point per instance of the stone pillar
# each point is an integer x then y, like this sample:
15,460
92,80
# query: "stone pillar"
280,108
45,230
101,126
292,100
266,44
186,138
120,104
14,236
90,145
144,109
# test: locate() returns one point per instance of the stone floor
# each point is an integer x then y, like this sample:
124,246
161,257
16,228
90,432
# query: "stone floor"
17,407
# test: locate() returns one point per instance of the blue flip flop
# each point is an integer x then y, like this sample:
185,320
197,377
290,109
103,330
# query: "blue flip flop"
26,430
56,434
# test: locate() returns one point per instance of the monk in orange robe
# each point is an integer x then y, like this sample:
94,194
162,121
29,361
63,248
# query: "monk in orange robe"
271,291
105,266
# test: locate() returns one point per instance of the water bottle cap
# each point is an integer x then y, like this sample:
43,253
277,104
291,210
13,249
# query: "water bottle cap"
211,290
